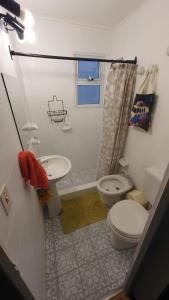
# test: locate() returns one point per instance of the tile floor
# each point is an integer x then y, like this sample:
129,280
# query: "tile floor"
77,178
82,264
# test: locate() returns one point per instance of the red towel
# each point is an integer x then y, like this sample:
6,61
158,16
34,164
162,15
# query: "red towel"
31,170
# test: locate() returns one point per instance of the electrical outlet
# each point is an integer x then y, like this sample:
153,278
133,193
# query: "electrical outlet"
5,199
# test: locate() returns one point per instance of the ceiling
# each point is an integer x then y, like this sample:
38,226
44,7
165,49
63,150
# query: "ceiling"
104,13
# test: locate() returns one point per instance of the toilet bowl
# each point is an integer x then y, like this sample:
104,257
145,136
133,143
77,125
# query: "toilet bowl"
126,221
112,187
127,218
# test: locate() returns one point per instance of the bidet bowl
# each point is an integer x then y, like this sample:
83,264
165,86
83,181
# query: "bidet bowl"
111,187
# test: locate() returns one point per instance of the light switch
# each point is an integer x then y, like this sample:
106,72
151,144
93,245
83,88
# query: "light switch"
5,199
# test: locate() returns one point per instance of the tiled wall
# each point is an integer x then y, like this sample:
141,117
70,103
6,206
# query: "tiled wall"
45,78
22,231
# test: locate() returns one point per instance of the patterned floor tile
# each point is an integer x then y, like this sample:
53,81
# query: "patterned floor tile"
57,228
102,246
116,266
62,243
87,175
49,243
78,178
82,264
60,239
84,252
56,225
101,294
51,280
80,235
65,183
52,292
50,258
51,286
97,229
70,287
65,260
93,278
48,228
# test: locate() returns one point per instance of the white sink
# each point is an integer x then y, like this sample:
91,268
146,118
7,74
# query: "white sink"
56,166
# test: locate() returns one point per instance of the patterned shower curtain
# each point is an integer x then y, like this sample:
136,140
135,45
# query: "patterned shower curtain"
117,105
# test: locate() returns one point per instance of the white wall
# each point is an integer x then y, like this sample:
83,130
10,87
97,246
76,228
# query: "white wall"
145,34
45,78
22,231
5,63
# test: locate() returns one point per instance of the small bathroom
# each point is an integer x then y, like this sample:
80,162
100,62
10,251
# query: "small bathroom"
84,140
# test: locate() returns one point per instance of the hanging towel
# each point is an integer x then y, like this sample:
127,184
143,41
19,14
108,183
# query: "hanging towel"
31,170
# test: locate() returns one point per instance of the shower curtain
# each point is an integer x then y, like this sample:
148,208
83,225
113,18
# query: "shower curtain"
117,105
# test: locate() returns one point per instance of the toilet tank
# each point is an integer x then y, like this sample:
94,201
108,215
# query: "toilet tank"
153,179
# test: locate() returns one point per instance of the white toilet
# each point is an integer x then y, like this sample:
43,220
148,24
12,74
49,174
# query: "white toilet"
112,187
127,218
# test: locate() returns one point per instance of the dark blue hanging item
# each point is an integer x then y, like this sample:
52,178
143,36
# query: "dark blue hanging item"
142,108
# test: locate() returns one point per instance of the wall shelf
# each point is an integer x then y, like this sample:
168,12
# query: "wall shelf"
56,115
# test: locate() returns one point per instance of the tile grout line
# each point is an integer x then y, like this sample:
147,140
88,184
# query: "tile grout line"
96,260
47,252
57,282
78,269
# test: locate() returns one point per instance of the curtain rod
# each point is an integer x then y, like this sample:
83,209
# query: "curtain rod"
16,53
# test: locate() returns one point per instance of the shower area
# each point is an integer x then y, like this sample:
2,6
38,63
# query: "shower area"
72,124
73,120
65,124
77,137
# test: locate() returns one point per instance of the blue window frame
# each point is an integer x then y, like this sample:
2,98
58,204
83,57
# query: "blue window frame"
88,83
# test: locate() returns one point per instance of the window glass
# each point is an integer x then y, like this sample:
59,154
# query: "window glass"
88,69
88,94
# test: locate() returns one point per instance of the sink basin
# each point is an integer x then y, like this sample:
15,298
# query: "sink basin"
56,166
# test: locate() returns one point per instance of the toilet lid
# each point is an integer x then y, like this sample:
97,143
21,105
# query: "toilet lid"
128,217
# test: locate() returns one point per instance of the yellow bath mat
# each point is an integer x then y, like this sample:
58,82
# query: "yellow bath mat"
81,211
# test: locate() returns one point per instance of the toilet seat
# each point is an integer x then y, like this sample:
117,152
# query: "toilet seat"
122,234
128,218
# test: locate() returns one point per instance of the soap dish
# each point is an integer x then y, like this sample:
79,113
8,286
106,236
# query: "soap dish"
66,127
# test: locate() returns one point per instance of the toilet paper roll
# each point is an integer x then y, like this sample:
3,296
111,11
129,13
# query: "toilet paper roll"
137,196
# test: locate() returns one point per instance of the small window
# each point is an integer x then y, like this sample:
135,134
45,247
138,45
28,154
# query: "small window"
88,94
88,69
88,83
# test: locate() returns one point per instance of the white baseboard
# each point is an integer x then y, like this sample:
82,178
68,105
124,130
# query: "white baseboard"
69,193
